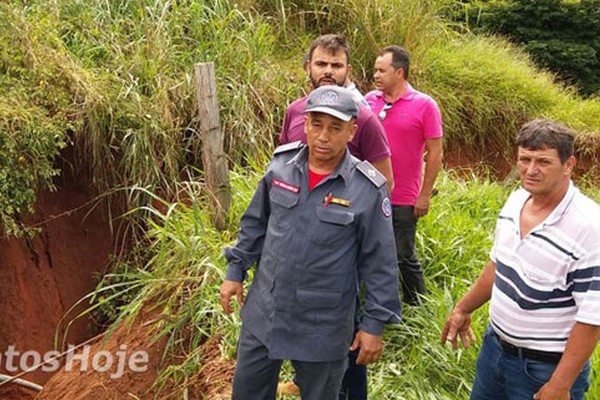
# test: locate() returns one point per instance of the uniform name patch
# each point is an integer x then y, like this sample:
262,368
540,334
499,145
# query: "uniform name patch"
386,207
285,186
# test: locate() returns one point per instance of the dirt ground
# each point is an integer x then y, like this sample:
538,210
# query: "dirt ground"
212,382
82,382
43,277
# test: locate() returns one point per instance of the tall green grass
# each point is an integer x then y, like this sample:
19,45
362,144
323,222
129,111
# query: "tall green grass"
114,78
453,244
488,88
368,25
182,276
143,55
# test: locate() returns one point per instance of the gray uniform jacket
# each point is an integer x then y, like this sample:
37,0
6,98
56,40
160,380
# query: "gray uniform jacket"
312,248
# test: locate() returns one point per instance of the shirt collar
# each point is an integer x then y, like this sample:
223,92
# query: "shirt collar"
408,94
300,158
563,206
344,168
556,214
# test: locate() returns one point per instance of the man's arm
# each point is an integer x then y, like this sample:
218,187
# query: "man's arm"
227,291
580,346
385,167
378,269
371,347
459,322
247,251
283,135
433,164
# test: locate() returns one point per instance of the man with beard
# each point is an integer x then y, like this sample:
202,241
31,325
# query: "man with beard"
328,63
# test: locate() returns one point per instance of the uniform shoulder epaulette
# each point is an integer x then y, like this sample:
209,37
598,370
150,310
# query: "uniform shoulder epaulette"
371,173
284,148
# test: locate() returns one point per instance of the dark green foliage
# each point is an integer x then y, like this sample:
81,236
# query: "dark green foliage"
560,35
115,78
33,118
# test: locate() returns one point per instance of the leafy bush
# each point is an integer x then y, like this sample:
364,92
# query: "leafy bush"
34,120
115,79
559,35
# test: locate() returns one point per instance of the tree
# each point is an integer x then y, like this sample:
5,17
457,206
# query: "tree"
562,36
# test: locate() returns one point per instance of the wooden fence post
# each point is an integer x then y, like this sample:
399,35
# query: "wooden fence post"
213,156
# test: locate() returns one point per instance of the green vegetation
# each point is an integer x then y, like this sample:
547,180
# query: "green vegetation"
560,35
114,79
187,267
487,89
33,115
182,277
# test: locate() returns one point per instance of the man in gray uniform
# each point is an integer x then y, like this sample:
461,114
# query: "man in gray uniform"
319,221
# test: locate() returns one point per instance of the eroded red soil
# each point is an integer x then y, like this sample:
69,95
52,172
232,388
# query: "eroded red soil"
43,277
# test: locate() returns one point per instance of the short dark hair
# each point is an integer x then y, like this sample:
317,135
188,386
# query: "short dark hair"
541,134
332,43
400,58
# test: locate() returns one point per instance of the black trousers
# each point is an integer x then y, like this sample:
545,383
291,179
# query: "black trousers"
354,385
256,375
411,274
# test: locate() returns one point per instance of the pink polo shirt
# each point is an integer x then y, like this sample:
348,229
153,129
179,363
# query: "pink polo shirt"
369,142
412,118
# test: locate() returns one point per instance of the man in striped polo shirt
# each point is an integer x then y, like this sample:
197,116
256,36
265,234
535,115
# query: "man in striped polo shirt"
543,280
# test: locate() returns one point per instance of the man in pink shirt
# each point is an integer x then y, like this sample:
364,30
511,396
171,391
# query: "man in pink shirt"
328,63
413,125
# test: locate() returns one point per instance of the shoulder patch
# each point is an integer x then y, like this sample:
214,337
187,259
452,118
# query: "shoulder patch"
284,148
371,173
386,207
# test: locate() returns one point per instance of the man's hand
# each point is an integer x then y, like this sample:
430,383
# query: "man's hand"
459,323
422,205
371,347
550,392
228,289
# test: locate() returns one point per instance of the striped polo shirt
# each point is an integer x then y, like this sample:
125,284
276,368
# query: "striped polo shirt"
550,279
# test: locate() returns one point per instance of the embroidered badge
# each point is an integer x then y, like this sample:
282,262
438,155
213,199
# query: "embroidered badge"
386,207
329,97
329,199
285,186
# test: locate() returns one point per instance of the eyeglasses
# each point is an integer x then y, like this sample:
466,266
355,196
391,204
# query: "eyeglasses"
384,110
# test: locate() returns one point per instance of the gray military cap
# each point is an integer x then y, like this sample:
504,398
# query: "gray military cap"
333,100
